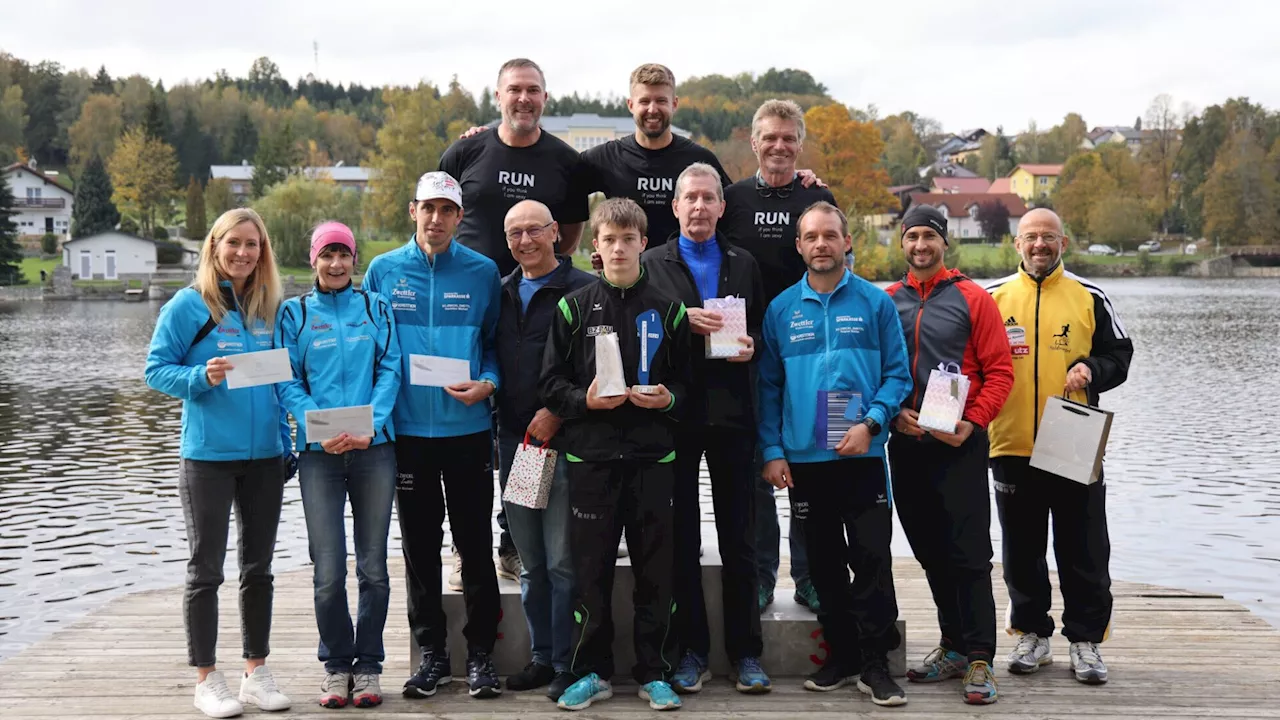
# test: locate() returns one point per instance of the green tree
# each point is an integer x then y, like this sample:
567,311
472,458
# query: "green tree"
294,207
486,112
10,253
407,147
156,123
218,197
1119,221
1084,182
195,149
102,82
93,211
95,133
197,223
244,139
13,121
44,104
903,152
277,158
1242,194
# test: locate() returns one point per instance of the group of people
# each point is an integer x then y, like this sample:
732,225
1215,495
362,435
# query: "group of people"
487,279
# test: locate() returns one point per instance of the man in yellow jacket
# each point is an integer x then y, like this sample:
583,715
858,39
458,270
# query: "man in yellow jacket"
1065,338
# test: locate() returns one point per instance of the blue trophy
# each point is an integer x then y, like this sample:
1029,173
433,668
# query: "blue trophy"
649,328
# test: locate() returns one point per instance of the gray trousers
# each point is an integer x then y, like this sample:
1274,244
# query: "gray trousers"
208,491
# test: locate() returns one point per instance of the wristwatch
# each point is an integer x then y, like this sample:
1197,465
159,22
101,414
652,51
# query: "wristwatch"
872,425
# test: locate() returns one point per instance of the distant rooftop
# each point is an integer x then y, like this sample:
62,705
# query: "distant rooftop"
590,121
339,173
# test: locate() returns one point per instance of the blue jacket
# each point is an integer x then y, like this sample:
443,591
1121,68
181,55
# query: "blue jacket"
217,423
344,352
852,340
449,308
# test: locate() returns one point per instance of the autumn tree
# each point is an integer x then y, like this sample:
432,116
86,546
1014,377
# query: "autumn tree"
1242,194
407,147
218,197
294,207
13,122
904,153
735,154
142,171
1083,183
1120,221
993,218
846,153
93,211
94,135
1157,158
197,223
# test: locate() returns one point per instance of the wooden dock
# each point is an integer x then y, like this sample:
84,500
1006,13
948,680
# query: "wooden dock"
1172,654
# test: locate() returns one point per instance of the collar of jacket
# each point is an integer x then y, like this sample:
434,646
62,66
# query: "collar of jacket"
1054,275
944,276
632,288
342,293
511,282
444,257
673,247
808,293
229,295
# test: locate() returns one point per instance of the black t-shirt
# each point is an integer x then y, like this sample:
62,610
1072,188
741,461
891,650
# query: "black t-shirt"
624,169
496,176
766,227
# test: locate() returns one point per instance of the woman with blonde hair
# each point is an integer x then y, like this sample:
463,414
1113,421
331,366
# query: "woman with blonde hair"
234,452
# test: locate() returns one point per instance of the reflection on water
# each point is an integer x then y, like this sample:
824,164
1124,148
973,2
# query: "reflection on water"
88,455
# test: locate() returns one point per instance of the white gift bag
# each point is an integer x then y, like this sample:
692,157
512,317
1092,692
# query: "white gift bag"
533,469
944,399
1071,440
724,343
610,380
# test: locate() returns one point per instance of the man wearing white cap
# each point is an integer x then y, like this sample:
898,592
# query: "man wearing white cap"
445,297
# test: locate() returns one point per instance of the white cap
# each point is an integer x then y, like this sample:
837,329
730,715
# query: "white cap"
438,184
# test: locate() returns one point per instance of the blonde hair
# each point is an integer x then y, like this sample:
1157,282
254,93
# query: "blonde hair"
781,109
653,74
622,213
262,291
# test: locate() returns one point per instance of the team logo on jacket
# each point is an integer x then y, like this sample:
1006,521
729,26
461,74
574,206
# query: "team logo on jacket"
1017,338
321,327
228,330
595,330
1062,340
456,302
1010,322
230,345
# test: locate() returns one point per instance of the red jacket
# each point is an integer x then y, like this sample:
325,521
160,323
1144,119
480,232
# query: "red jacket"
951,319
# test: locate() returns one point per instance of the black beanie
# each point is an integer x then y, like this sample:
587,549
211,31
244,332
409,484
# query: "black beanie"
919,215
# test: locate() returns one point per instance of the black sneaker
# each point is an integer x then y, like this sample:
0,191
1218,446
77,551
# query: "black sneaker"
875,681
831,676
532,676
481,677
560,683
432,672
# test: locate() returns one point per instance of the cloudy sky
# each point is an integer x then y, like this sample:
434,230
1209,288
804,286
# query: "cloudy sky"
980,63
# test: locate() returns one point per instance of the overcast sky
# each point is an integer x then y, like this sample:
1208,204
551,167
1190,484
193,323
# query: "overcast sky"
968,64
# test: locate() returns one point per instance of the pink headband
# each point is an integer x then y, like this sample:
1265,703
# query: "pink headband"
331,233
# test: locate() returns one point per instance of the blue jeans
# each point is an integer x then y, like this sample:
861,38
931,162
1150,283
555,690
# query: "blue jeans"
769,538
546,583
369,478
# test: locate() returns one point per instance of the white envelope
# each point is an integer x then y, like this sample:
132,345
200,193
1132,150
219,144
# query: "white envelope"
265,367
356,421
437,371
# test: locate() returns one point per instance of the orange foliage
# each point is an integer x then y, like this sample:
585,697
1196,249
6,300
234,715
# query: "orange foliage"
846,153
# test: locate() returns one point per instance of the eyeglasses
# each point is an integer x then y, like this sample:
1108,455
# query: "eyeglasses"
767,190
535,234
1047,238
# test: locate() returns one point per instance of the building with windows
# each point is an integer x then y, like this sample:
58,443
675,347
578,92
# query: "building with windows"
1034,181
43,203
961,210
111,255
583,131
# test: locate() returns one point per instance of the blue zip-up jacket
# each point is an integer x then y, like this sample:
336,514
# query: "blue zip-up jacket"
344,352
448,308
217,423
850,340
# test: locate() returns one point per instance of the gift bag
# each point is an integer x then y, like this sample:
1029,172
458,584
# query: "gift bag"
944,399
1071,440
724,342
532,471
610,380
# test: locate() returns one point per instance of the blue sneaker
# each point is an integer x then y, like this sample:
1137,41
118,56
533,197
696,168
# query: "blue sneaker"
660,696
693,671
751,677
941,664
581,694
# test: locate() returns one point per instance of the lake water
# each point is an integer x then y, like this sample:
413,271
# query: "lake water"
88,454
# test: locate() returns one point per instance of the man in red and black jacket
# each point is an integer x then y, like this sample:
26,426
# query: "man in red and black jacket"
940,478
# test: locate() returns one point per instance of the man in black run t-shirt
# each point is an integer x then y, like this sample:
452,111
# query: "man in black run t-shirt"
518,162
761,216
644,166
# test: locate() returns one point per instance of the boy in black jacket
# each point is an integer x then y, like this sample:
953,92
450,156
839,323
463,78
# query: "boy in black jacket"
620,451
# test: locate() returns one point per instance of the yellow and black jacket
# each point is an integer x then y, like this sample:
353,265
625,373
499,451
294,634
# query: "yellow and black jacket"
1052,324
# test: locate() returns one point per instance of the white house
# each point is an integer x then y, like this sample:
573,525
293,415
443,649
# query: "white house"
961,210
109,255
43,202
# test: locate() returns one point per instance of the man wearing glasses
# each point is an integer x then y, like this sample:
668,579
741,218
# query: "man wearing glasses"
761,216
529,298
1065,338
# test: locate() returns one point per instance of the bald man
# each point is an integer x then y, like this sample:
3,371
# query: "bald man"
1065,338
541,537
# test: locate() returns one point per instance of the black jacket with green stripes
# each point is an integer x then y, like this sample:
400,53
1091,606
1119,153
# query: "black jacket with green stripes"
628,432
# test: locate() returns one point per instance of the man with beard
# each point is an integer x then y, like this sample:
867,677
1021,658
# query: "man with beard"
761,216
833,350
940,478
1064,339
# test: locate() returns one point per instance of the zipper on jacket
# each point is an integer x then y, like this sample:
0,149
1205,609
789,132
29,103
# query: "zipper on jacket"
915,361
431,326
1035,395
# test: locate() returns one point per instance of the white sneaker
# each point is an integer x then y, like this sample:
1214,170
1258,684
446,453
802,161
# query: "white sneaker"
1086,663
260,689
213,697
1031,652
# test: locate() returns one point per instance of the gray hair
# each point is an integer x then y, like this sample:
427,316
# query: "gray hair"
700,169
781,109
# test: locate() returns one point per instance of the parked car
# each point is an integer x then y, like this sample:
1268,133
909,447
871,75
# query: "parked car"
1099,249
1150,246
